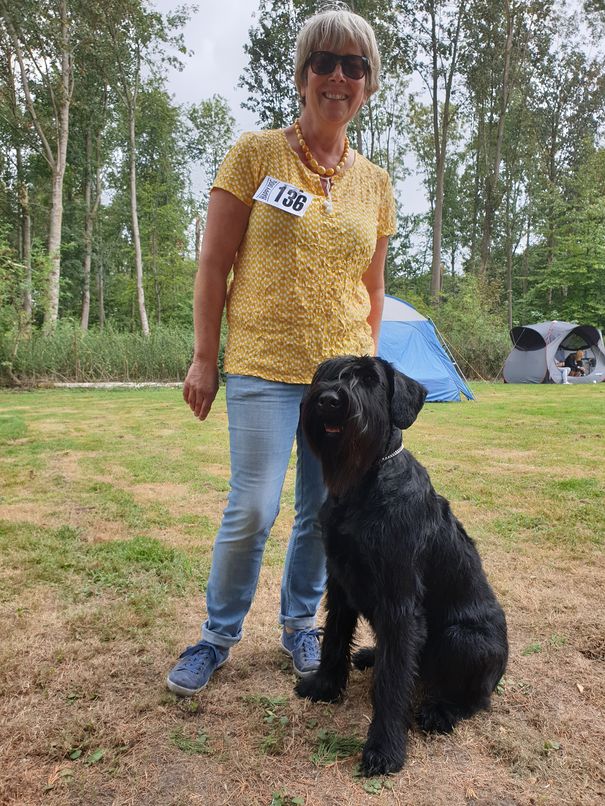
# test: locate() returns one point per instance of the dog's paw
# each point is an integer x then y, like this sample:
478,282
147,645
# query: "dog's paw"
318,688
381,760
363,658
436,717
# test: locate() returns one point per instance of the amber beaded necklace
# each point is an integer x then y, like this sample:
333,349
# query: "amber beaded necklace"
313,163
327,175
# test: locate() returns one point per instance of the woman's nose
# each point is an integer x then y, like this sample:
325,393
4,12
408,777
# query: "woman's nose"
337,73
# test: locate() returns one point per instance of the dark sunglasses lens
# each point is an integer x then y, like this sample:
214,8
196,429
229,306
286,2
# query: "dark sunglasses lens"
323,63
354,66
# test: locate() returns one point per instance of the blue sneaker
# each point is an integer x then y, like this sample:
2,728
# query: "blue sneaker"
194,668
303,647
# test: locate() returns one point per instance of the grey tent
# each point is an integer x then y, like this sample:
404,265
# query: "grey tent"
538,348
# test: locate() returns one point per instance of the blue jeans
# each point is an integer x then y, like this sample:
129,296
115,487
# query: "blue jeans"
264,418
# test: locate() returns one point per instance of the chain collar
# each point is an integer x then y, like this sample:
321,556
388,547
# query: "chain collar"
390,455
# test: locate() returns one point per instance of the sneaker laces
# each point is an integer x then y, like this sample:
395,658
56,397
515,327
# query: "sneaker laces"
198,657
306,641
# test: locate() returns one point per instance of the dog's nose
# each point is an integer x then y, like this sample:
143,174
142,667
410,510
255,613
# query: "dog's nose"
328,401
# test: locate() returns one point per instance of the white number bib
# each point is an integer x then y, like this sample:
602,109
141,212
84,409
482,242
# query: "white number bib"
283,196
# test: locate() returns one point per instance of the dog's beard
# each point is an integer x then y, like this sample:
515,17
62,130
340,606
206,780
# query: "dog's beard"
347,449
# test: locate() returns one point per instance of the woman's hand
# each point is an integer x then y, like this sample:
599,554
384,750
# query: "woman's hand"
200,387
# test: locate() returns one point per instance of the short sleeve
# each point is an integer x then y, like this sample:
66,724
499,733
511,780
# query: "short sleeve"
239,171
387,219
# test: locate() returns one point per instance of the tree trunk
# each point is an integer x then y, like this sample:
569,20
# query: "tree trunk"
154,272
491,189
437,229
54,248
90,216
58,173
26,249
525,279
440,140
87,235
24,238
100,278
136,237
359,141
509,274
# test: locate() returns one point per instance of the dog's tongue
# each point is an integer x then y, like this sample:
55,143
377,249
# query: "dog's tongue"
332,429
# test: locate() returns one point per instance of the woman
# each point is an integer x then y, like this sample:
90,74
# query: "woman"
574,363
308,263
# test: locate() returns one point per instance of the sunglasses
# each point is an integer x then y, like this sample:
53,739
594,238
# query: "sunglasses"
322,62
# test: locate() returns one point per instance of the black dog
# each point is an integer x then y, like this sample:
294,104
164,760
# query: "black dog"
397,556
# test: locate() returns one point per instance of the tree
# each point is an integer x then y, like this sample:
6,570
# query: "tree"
503,42
437,28
269,75
568,99
16,147
134,35
42,36
210,132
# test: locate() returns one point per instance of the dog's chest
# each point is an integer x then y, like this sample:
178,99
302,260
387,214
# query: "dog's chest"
349,556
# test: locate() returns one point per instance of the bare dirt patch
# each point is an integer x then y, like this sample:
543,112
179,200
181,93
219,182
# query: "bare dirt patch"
541,743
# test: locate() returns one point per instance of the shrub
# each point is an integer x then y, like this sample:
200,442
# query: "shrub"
474,328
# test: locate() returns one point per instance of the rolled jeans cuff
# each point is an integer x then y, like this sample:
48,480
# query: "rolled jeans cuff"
220,640
304,623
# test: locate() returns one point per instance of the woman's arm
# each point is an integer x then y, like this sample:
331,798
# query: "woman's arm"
225,227
373,280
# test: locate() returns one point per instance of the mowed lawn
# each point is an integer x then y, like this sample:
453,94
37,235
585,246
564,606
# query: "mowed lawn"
109,502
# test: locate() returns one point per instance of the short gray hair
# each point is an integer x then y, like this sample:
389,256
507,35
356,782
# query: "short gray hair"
333,28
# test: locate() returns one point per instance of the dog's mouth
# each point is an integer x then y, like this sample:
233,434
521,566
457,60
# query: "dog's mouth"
332,429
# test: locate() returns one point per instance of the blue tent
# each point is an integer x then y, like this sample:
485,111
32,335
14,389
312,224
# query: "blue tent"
410,342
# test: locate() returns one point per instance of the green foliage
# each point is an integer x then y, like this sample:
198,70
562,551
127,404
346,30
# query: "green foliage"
283,799
532,649
332,746
274,719
210,133
474,329
198,745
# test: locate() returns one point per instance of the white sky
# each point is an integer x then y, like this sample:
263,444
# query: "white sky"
216,34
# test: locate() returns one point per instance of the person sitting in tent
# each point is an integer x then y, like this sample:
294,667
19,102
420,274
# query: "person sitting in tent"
572,366
574,362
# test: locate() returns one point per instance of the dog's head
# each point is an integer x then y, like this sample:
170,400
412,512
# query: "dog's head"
349,414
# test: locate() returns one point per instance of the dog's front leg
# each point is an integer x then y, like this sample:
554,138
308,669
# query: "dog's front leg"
394,675
330,681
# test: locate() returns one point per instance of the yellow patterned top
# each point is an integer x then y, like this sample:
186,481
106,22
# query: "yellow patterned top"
297,296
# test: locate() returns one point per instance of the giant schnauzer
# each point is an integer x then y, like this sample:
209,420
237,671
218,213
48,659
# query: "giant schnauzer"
397,556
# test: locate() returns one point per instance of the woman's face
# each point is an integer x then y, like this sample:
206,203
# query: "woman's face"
334,98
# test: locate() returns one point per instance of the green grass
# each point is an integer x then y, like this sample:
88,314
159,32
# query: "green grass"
192,745
60,558
89,479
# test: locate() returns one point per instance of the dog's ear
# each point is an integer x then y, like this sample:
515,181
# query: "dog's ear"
407,397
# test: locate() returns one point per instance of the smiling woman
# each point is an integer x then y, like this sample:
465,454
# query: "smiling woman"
304,222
